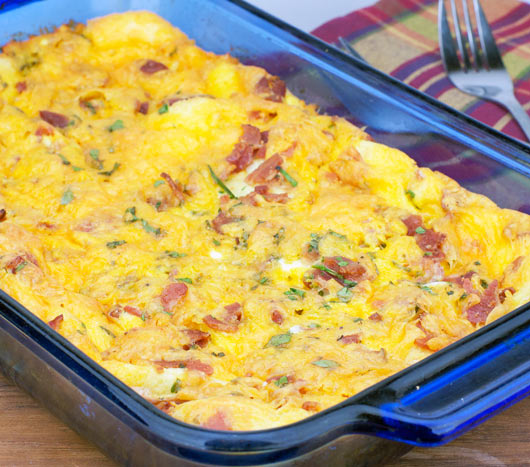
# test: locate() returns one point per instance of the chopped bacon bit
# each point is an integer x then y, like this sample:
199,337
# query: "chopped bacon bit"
375,317
152,66
250,199
311,406
3,215
412,223
196,337
234,312
132,311
422,341
21,86
218,421
191,364
277,317
353,271
176,187
502,293
477,314
115,312
222,219
271,88
219,325
55,119
350,339
310,252
266,171
231,320
263,190
464,281
46,225
429,241
173,294
224,199
56,322
142,107
44,131
332,177
164,406
15,263
290,150
251,145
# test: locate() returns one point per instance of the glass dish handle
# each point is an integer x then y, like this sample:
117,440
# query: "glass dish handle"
457,389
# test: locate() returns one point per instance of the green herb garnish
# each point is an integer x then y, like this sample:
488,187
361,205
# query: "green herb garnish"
67,197
185,279
410,193
279,339
325,363
108,173
344,294
216,242
287,177
117,125
483,283
294,294
175,254
281,382
163,109
420,230
110,333
279,236
450,292
217,180
176,386
130,215
115,244
64,159
158,183
21,266
427,289
150,229
338,235
94,154
313,243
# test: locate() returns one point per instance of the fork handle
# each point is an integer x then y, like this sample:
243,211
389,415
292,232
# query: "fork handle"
518,112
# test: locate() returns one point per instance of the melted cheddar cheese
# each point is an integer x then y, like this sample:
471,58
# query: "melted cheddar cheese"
238,259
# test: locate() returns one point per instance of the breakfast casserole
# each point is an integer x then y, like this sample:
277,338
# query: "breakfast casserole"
237,258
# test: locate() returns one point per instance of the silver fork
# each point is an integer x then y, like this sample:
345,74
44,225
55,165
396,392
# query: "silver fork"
479,71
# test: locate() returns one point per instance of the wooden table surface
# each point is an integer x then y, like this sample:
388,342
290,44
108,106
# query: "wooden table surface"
29,435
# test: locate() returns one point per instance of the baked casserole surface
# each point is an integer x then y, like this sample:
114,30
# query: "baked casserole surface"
235,257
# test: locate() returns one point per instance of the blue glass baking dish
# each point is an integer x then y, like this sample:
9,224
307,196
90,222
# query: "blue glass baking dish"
427,404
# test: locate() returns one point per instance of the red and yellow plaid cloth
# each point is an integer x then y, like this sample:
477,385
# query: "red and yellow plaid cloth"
400,37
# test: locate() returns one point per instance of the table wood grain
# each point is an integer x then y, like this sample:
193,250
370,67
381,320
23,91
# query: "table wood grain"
30,435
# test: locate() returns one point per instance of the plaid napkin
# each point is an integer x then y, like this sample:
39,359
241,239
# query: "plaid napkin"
400,37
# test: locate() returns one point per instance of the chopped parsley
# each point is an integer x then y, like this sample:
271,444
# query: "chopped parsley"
313,243
338,235
175,254
294,294
216,242
176,386
130,215
410,194
287,177
150,229
450,292
158,183
263,280
463,296
117,125
483,283
163,109
477,263
325,363
108,173
427,289
342,263
110,333
21,266
420,230
279,339
67,197
335,274
94,154
185,279
427,253
281,382
115,244
219,182
279,236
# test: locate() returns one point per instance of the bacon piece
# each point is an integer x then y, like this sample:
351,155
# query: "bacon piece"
412,223
21,86
132,311
430,241
221,219
15,263
3,215
43,131
251,145
164,406
477,314
191,364
55,119
422,341
310,252
263,190
250,199
152,66
234,312
350,339
375,317
311,406
56,322
266,171
464,281
271,88
218,421
173,294
353,271
502,293
175,187
231,319
196,337
219,325
277,317
142,107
